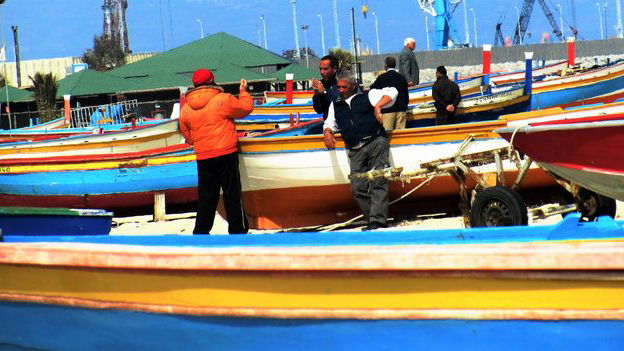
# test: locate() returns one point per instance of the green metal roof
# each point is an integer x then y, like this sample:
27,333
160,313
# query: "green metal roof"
15,94
226,74
212,52
300,72
90,82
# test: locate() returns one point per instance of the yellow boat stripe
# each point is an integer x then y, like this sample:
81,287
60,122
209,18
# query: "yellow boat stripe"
310,290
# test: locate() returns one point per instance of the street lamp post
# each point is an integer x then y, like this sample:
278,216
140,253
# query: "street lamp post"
427,30
561,21
295,28
518,23
474,23
466,29
265,34
600,18
377,33
305,28
336,26
322,34
201,28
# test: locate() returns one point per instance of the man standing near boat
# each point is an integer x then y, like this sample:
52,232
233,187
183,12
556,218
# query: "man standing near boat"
357,116
394,117
446,97
325,91
408,66
207,123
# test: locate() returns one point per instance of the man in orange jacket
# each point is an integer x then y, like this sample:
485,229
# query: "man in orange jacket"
207,123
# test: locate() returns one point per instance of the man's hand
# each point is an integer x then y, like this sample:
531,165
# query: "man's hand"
243,86
410,84
378,115
318,86
328,137
450,108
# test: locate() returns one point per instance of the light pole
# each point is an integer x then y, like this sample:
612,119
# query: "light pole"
264,28
336,26
377,33
201,28
604,13
474,23
295,28
466,29
305,28
322,34
560,21
600,18
427,30
518,23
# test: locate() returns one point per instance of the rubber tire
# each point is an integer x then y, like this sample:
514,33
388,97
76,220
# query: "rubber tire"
600,205
497,207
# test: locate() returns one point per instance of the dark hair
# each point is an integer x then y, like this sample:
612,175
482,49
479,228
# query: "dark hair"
390,62
333,61
442,70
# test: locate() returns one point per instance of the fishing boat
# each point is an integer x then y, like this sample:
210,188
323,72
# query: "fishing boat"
151,137
475,107
551,287
274,171
538,73
599,85
107,181
583,150
54,221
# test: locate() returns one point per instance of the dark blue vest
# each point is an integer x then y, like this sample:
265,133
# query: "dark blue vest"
358,123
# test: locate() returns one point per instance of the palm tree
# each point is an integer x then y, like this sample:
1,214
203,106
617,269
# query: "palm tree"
105,55
344,58
44,92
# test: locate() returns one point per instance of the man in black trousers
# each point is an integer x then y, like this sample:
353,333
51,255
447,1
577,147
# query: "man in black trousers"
446,96
394,117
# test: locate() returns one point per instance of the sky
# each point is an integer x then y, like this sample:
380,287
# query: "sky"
60,28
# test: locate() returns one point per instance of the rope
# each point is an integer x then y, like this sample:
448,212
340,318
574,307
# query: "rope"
338,225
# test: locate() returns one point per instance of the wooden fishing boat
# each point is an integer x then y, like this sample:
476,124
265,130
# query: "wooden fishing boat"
585,150
134,140
54,221
551,287
599,85
107,181
274,171
475,107
519,76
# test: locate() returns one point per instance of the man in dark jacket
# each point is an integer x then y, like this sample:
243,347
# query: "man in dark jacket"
357,117
394,117
446,97
325,91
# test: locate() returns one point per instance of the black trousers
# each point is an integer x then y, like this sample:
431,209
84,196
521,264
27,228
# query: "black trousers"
444,117
212,175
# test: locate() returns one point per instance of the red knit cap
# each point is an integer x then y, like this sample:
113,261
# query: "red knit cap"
202,77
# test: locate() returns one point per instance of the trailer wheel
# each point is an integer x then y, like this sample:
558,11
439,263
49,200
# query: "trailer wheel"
593,205
497,207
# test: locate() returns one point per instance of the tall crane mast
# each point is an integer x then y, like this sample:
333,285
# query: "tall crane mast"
525,17
443,10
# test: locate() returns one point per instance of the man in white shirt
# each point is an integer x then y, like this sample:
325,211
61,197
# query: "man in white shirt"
357,116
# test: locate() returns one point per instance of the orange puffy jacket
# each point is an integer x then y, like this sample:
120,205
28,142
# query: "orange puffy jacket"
206,120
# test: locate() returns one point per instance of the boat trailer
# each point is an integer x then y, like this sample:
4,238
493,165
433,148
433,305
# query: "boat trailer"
492,202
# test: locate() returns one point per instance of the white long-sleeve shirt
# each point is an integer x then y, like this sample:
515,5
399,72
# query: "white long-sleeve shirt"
374,95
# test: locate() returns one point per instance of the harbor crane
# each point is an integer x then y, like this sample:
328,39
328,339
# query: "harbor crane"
442,10
525,17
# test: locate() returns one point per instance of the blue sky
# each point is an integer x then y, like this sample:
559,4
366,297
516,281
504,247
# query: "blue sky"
60,28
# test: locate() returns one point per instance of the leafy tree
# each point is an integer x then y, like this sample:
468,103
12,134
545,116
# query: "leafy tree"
105,55
344,57
3,81
44,92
